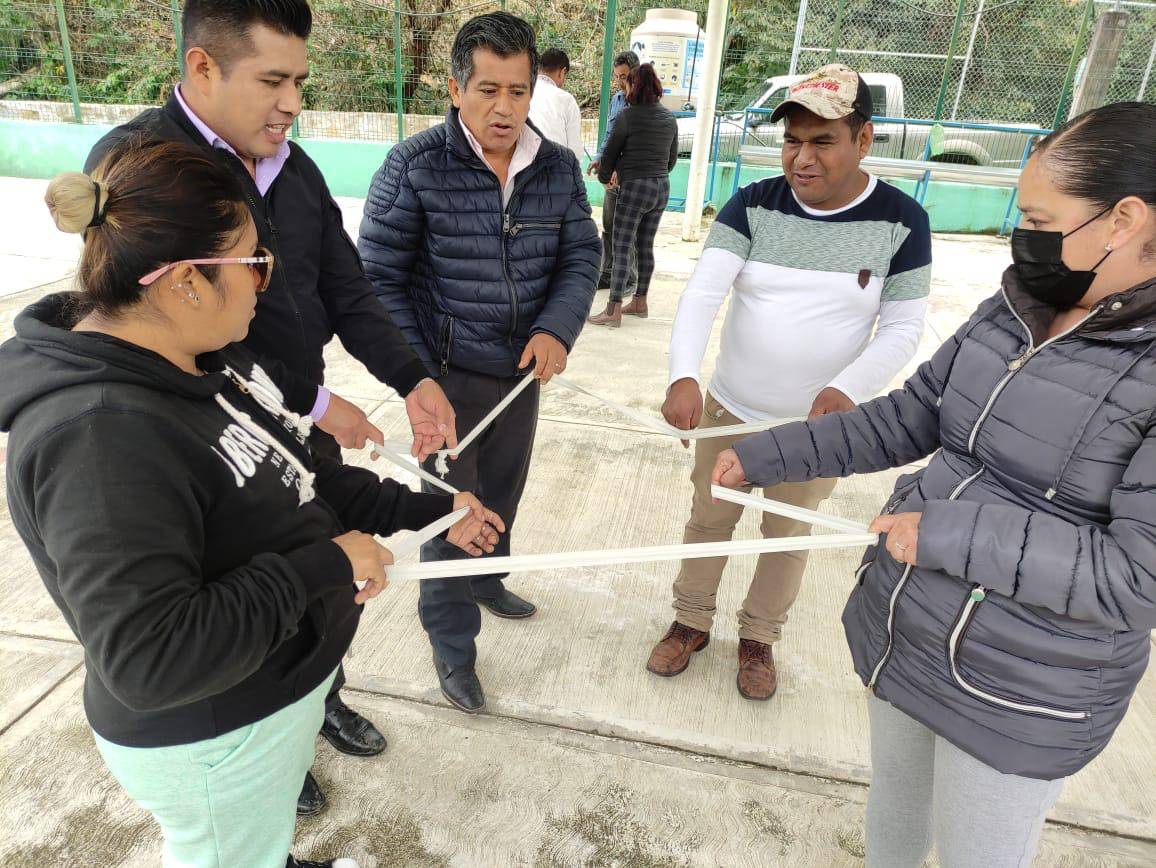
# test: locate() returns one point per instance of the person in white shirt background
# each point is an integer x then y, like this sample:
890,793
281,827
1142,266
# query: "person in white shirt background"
553,110
831,270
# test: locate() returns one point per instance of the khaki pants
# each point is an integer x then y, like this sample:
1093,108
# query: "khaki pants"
778,575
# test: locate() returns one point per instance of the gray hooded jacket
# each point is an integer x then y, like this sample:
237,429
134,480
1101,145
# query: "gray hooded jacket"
1023,632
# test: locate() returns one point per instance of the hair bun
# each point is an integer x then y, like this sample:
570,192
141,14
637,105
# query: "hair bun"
76,202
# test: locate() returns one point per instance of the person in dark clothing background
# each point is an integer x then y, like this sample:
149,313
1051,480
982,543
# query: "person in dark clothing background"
202,554
641,150
246,61
480,244
624,64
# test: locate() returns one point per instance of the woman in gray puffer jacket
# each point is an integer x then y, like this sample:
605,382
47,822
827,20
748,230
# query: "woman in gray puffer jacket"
1004,623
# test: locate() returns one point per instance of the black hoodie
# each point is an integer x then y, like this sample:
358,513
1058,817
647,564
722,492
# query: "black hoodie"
182,527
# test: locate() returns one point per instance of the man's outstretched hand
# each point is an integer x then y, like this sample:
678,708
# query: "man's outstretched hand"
432,419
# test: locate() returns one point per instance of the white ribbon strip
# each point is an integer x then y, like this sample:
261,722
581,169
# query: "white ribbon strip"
659,426
410,544
656,426
442,466
398,453
462,569
785,509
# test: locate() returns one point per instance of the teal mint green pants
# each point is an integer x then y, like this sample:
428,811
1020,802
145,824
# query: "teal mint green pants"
228,801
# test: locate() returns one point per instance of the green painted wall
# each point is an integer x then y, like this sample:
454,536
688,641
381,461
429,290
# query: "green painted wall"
33,149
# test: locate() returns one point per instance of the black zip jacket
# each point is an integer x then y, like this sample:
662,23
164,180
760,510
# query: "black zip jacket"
643,144
183,528
318,288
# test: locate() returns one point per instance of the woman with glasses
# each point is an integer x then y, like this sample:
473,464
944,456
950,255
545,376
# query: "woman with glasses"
208,563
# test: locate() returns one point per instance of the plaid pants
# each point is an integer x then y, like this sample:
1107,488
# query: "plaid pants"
641,202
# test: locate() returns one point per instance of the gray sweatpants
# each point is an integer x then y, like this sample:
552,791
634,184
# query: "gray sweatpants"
924,787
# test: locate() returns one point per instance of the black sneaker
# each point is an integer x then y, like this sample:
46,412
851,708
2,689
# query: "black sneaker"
342,862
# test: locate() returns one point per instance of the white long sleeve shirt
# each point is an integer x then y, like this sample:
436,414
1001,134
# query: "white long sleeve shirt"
555,113
834,298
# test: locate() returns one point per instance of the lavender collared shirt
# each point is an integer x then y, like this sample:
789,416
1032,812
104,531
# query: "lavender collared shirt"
268,168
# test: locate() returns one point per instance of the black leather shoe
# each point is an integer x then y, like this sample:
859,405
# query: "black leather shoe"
461,687
508,605
344,862
351,733
312,801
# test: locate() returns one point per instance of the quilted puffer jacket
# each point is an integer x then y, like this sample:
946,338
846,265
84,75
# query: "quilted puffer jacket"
468,280
1024,629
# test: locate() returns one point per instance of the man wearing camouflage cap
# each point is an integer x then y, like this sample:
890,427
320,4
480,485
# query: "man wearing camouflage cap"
831,270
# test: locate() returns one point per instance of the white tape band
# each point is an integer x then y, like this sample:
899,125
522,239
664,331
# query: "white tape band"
407,545
788,510
462,569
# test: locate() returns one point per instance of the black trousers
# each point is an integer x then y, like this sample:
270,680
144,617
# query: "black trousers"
494,467
324,444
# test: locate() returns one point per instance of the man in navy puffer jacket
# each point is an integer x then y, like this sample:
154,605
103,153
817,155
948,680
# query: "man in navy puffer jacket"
478,239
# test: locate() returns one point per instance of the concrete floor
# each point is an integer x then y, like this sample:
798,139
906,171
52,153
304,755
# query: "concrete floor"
582,757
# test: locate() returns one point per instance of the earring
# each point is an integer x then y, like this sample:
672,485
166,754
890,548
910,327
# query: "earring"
196,298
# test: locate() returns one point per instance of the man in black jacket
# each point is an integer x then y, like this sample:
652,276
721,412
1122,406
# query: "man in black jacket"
479,242
245,65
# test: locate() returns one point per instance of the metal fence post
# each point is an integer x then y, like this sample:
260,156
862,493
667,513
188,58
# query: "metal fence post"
178,34
950,60
611,25
398,78
1147,73
837,35
69,69
1073,63
800,24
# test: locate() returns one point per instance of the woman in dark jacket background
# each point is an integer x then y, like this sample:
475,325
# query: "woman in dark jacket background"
203,556
638,156
1004,624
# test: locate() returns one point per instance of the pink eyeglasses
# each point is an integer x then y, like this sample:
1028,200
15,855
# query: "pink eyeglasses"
261,264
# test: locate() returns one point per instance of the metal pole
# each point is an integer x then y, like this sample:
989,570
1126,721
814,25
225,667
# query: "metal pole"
800,23
716,25
950,59
1074,62
1102,56
175,5
967,59
69,69
1147,73
609,25
398,77
838,34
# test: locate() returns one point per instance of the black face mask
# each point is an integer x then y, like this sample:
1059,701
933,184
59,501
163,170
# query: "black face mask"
1039,261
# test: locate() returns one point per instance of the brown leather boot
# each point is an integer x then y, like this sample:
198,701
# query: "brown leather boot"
611,317
757,676
636,307
672,654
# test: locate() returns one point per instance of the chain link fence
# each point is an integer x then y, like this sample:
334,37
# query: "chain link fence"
379,67
1012,61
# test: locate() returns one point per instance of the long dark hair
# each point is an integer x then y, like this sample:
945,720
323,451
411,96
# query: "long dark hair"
147,204
645,87
1106,154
